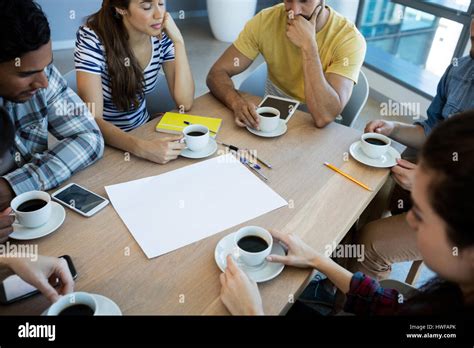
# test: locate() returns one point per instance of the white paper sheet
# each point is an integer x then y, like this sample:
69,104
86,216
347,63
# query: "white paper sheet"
172,210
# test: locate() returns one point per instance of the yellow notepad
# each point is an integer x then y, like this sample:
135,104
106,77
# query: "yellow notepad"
174,123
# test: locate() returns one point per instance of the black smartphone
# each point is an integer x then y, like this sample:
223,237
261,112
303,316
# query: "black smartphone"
13,288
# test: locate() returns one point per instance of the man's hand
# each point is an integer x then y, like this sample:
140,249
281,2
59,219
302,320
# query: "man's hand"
6,194
380,126
44,274
238,293
302,32
245,114
404,174
6,222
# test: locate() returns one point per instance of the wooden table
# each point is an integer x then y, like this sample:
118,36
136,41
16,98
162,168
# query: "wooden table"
323,206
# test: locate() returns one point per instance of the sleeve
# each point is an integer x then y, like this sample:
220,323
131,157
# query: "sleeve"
435,110
80,141
168,48
349,57
89,54
248,42
367,297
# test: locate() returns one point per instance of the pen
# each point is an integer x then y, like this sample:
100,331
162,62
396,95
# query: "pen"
337,170
244,161
190,124
236,149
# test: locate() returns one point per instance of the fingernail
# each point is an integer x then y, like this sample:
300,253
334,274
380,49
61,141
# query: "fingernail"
269,258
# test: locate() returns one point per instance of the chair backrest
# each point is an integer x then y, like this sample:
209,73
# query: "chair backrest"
158,100
255,84
405,289
356,103
71,80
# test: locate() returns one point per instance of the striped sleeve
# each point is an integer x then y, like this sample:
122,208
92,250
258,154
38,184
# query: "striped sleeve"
167,48
89,53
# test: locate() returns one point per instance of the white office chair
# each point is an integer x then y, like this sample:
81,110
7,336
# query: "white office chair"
71,80
158,101
255,85
356,103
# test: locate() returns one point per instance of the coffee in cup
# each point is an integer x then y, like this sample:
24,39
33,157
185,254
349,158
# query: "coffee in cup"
253,244
196,137
375,145
269,119
75,304
32,209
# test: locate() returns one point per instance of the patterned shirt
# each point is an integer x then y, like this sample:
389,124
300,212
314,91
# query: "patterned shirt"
367,297
90,57
60,111
455,94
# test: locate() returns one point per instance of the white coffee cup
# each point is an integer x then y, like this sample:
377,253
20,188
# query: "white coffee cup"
373,150
73,299
248,257
268,123
196,143
32,219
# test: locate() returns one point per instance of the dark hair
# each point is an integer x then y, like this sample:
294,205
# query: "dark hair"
449,155
127,82
7,131
23,28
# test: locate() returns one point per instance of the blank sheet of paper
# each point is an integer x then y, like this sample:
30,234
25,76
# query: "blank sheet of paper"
172,210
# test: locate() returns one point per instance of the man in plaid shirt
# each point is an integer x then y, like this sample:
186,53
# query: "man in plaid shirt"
37,101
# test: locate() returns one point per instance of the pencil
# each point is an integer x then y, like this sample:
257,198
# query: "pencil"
347,176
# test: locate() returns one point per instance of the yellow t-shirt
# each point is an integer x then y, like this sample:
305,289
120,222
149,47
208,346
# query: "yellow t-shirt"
341,48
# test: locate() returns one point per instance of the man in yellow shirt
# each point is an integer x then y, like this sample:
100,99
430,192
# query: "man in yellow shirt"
313,55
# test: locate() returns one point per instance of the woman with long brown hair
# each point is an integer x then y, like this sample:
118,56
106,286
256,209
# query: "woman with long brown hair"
119,54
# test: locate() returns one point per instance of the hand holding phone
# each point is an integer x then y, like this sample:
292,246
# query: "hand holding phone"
33,276
80,199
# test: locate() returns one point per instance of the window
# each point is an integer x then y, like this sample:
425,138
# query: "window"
413,41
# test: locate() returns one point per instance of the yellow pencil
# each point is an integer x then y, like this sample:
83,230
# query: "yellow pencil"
347,176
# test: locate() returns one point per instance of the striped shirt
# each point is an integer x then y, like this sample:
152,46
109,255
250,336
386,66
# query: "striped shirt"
58,110
90,57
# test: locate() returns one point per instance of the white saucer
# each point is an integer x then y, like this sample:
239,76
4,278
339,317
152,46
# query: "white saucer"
206,152
282,128
263,273
385,161
58,214
107,306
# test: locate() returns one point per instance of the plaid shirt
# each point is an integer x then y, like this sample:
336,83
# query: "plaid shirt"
367,297
60,111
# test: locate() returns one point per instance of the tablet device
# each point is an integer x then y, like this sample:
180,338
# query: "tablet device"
287,107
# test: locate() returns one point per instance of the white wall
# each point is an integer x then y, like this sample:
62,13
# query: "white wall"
348,8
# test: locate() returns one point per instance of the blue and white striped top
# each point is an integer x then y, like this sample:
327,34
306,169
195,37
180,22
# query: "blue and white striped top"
89,56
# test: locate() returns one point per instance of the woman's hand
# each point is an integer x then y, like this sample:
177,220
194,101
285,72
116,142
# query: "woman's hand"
44,273
238,293
404,174
171,29
299,253
161,150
